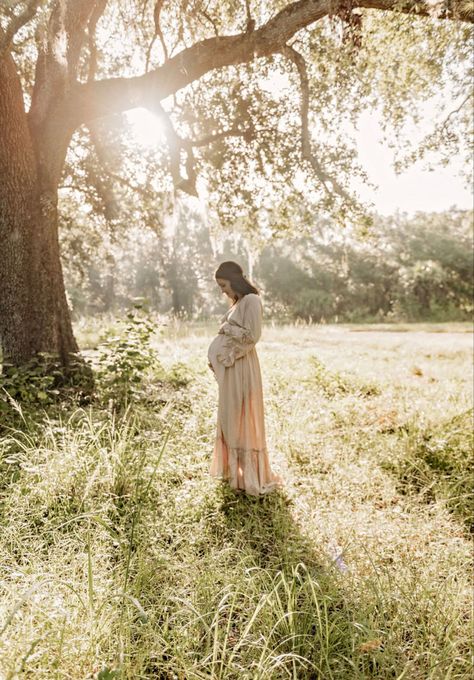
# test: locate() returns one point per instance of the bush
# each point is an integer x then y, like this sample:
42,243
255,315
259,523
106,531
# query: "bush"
42,382
124,359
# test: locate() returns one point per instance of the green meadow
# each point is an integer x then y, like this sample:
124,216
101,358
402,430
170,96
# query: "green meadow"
122,558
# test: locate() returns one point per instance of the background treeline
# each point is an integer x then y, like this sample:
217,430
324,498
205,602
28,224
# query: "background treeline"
406,269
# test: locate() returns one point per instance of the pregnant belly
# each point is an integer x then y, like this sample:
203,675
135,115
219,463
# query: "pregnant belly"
215,347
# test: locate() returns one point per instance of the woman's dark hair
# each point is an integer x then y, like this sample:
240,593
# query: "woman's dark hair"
232,272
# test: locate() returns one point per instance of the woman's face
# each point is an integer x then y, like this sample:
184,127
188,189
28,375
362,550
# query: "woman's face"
226,288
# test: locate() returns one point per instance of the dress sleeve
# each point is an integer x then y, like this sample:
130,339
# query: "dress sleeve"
240,339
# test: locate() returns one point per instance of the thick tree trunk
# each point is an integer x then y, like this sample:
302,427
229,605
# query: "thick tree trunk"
34,315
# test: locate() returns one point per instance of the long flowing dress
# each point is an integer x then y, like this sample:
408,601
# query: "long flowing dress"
240,453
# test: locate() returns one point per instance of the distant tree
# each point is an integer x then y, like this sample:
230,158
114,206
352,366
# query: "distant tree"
433,252
409,269
187,263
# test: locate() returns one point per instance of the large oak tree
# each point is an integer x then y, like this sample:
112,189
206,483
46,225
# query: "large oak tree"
199,65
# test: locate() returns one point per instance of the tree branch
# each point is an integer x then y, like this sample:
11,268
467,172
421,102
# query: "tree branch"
16,23
119,94
306,151
77,17
158,33
103,186
58,55
92,25
210,20
189,184
176,144
59,50
453,113
250,25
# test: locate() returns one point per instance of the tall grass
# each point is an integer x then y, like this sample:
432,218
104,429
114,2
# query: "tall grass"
121,557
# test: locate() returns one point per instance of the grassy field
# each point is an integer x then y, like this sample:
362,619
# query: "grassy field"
121,558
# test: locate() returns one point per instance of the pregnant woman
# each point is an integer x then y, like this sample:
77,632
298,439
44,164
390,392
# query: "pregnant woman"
240,453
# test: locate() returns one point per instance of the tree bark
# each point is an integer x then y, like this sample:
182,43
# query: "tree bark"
34,315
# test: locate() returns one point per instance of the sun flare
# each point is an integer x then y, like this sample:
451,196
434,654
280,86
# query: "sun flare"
146,128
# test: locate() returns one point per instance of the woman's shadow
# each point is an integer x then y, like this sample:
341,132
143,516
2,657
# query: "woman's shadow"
263,528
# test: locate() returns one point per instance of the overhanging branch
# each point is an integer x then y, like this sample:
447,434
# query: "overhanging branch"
113,95
306,150
176,145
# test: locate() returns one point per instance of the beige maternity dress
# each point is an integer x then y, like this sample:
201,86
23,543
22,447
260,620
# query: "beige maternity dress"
240,453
